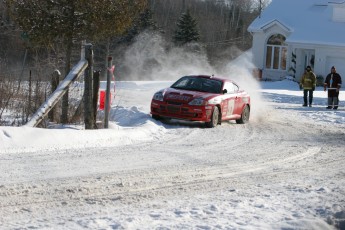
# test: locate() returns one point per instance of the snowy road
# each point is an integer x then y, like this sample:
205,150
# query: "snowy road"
283,170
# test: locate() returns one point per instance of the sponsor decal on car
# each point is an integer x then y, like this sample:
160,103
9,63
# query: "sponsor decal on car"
215,100
231,106
245,99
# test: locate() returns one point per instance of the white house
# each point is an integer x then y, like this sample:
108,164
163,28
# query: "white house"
292,34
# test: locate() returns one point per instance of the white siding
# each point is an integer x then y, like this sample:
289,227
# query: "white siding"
339,63
339,14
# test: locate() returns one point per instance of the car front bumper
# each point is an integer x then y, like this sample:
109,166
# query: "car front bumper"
182,111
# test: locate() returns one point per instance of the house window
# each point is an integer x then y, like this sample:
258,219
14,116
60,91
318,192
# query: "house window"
276,52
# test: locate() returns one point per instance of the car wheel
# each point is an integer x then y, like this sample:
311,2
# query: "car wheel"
214,119
156,117
244,115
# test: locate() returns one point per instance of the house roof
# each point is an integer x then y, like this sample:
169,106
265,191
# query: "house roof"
310,21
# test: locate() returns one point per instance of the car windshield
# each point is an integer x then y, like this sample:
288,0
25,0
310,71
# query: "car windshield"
198,84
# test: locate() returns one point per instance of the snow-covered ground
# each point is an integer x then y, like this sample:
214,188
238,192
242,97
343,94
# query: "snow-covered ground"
283,170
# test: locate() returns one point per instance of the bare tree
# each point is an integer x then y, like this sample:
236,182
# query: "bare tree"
47,22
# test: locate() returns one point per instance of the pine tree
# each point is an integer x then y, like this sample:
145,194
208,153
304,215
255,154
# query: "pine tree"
144,22
186,29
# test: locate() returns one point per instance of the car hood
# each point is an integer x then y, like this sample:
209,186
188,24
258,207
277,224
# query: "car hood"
185,96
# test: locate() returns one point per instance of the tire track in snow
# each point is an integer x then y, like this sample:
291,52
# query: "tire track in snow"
141,181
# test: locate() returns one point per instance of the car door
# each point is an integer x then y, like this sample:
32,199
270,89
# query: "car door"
229,102
238,99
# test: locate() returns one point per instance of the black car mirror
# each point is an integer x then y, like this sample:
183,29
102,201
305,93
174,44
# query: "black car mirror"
225,91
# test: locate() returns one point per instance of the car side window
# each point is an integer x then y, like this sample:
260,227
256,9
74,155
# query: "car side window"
230,87
236,89
211,86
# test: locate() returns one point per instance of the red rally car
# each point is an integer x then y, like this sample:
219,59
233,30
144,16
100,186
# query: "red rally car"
202,98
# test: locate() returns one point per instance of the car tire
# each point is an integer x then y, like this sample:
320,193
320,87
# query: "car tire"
244,115
214,118
156,117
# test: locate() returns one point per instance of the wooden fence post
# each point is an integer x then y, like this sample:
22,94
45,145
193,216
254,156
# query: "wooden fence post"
30,94
55,81
88,105
96,84
107,94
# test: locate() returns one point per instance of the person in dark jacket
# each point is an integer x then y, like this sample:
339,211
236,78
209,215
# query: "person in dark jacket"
308,83
333,84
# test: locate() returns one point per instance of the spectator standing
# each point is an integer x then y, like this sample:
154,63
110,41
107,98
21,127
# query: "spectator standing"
333,84
308,83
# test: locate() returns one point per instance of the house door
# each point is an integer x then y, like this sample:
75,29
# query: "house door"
309,58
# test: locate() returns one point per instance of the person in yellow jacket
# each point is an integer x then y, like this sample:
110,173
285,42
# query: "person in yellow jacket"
308,83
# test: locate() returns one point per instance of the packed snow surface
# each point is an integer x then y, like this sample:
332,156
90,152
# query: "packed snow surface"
282,170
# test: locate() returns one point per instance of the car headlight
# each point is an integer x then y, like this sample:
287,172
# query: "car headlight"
158,96
198,101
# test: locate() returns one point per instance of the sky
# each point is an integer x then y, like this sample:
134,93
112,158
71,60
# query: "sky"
282,170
